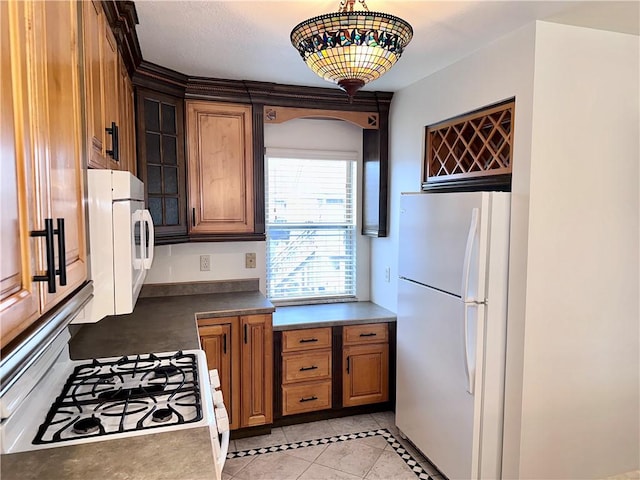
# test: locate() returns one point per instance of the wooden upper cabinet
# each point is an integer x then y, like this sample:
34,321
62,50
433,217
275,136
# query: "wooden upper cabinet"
42,136
111,96
108,95
126,124
161,162
220,159
18,293
57,145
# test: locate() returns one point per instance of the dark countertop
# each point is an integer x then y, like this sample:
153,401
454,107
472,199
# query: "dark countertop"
161,324
330,315
164,319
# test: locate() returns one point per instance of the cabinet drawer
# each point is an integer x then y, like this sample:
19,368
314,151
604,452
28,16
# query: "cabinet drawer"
300,367
363,334
306,398
306,339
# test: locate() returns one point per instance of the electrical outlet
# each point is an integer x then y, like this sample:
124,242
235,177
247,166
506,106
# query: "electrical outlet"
205,263
387,274
250,260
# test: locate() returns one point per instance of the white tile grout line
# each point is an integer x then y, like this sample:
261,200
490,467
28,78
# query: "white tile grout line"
411,462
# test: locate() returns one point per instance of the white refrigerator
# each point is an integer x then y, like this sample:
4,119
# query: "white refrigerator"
451,331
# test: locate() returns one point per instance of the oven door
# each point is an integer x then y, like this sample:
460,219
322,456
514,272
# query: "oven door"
220,432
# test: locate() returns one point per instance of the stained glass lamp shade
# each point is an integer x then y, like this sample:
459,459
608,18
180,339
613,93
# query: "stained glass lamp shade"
351,48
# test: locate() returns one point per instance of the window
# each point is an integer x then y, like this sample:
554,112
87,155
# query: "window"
310,224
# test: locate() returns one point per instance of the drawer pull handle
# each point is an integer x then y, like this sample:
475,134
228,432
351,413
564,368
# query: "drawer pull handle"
308,340
308,399
368,334
312,367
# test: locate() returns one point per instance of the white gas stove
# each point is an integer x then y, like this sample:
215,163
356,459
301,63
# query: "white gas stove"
60,402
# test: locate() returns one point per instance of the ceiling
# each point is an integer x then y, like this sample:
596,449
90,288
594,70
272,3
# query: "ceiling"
249,40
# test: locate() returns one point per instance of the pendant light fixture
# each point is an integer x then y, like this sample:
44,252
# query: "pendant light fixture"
351,48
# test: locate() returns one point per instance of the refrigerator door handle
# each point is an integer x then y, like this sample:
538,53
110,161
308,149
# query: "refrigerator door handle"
466,267
469,356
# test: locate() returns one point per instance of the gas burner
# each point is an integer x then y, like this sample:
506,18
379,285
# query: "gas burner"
162,415
165,370
126,394
87,426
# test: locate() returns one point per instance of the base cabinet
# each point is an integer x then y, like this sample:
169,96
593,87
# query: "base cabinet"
241,349
366,377
327,369
306,370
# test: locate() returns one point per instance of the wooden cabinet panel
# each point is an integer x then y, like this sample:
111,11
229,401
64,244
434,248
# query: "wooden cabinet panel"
161,162
110,103
92,38
306,339
257,363
126,123
364,334
299,398
219,143
300,367
41,137
241,348
56,101
18,293
223,354
366,376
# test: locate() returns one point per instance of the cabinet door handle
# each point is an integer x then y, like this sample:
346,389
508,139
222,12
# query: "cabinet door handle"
348,364
193,217
50,275
62,252
245,333
224,343
368,334
312,367
308,399
308,340
115,150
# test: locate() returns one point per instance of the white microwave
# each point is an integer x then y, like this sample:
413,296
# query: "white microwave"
121,239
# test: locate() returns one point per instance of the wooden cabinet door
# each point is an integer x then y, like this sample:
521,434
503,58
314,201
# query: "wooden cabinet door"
160,147
18,293
257,370
110,94
366,374
220,344
126,123
92,37
219,143
57,144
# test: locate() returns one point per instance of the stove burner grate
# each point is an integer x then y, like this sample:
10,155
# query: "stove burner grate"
122,395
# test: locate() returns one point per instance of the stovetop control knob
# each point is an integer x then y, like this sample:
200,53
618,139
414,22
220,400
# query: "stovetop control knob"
214,378
218,399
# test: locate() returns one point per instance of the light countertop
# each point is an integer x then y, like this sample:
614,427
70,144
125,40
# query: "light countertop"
330,315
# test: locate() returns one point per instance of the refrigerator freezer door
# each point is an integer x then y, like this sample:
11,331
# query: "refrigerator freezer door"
434,234
433,408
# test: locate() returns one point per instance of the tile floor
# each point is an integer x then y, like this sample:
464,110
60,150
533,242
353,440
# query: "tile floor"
377,453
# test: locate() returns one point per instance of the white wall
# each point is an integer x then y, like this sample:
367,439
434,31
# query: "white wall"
573,367
502,70
181,262
580,393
